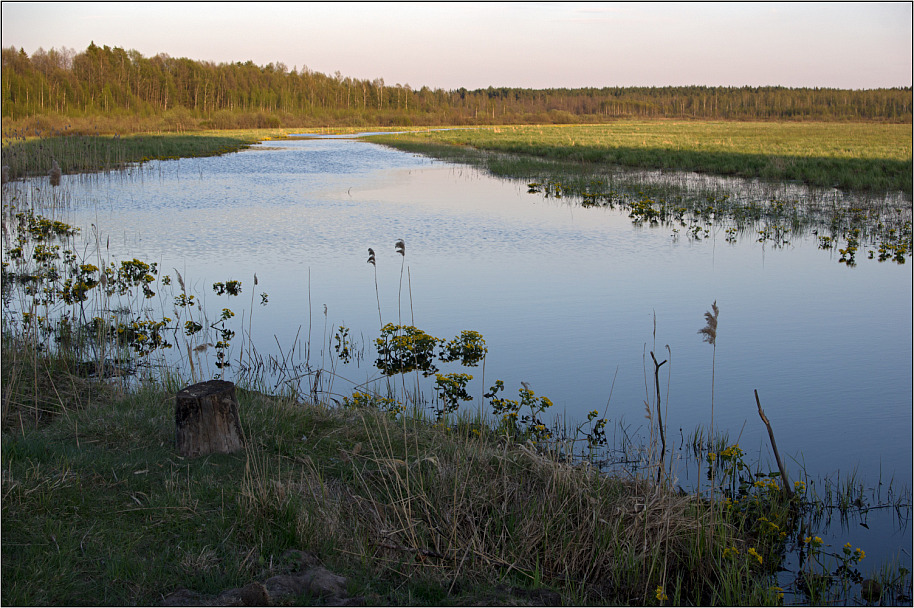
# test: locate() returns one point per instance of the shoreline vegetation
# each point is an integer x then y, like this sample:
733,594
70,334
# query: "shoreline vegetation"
862,158
34,155
849,185
99,509
849,157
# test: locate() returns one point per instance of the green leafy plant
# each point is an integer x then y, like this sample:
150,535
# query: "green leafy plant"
511,421
469,348
451,389
404,348
342,344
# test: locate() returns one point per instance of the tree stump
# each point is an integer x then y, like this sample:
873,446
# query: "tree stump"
206,419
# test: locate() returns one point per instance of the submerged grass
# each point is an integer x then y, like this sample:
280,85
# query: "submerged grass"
847,185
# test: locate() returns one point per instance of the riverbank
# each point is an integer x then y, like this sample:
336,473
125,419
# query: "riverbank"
862,157
847,156
31,154
99,508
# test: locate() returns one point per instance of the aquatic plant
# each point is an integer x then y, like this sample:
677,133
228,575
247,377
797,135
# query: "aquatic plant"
878,219
451,389
404,348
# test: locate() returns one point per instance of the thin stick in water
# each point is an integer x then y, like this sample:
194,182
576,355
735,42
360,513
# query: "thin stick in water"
774,446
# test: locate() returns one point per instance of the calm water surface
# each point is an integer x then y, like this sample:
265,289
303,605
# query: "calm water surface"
566,297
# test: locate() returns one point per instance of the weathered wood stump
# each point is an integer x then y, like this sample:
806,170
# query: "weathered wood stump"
206,419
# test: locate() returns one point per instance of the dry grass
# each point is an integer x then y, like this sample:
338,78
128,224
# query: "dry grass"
413,499
37,388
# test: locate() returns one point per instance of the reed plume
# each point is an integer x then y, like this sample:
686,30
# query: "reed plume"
709,335
180,281
54,174
400,247
371,260
709,331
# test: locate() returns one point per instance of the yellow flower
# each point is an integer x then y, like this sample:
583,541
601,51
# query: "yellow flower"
754,553
660,594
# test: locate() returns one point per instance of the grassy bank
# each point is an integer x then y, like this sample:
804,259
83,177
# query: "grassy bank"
848,156
28,155
99,509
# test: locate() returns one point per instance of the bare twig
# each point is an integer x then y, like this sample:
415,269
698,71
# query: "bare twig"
657,367
774,446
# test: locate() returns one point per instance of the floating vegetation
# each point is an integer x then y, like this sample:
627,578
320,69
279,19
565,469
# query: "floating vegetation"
884,230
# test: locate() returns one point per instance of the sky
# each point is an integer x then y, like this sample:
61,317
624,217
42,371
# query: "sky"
525,44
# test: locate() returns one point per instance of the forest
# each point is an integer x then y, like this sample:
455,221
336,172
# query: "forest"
112,88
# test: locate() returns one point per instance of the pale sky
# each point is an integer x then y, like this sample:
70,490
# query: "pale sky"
532,45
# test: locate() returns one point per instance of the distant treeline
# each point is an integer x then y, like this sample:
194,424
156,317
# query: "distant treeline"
119,87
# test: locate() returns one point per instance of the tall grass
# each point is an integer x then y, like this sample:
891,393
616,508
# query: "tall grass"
409,510
459,511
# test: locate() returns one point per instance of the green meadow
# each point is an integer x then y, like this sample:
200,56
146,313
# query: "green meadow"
848,156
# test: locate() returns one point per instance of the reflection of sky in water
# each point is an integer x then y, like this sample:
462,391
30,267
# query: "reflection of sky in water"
563,295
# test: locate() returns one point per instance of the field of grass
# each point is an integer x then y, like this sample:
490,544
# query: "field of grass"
851,156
